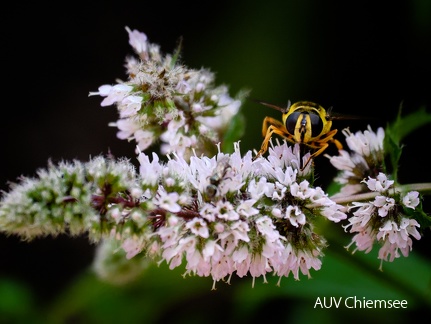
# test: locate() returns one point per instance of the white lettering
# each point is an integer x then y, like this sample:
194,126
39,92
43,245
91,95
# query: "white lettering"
328,303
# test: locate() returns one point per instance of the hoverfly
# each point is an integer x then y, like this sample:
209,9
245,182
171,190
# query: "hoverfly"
305,123
217,176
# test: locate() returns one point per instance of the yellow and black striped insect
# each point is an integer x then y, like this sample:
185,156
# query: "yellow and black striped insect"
305,123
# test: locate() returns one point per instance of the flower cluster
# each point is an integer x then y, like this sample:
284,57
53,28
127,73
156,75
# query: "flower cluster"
383,219
222,215
163,100
232,214
365,159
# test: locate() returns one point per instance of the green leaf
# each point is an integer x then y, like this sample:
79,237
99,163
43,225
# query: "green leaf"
404,125
396,131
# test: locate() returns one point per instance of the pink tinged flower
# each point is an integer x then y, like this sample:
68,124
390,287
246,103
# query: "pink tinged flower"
242,260
363,213
137,40
144,139
259,266
365,143
408,226
183,87
384,204
131,247
130,106
388,251
364,240
195,260
127,127
285,176
169,234
287,261
196,263
116,214
266,227
302,190
198,227
279,191
219,228
116,94
356,142
334,213
320,197
260,188
411,199
295,215
246,208
222,267
167,201
210,249
209,212
173,256
277,212
103,91
375,139
306,262
225,210
150,171
179,144
343,161
380,184
281,156
397,237
240,231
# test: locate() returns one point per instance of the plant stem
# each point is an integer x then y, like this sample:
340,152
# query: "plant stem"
424,188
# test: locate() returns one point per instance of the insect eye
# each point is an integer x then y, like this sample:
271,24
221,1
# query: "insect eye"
316,125
291,121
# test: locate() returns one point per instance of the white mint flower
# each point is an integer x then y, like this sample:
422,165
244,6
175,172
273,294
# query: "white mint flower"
198,227
295,216
365,143
380,184
411,199
131,247
130,106
116,93
384,204
137,40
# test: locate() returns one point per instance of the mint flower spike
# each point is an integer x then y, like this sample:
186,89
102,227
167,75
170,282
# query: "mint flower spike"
71,198
385,220
164,101
232,214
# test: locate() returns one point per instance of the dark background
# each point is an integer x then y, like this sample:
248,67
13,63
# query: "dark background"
361,58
